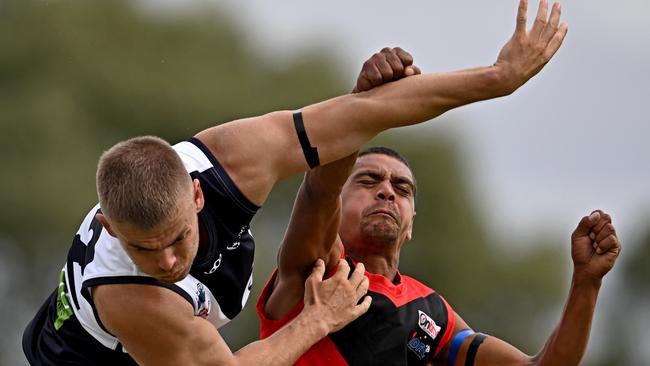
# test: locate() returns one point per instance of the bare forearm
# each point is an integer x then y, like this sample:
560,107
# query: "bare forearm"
315,218
283,347
323,185
567,344
405,102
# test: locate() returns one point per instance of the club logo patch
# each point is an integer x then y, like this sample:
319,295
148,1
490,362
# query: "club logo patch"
203,301
420,348
428,325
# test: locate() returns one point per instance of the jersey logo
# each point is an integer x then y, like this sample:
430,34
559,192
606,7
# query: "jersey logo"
63,309
418,347
216,265
203,302
428,325
237,241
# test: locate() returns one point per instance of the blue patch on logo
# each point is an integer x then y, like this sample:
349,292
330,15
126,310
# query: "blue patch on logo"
201,294
420,348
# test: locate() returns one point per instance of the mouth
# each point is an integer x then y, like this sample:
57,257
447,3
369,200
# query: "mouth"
384,212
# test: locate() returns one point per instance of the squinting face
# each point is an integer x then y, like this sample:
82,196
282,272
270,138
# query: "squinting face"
166,252
378,202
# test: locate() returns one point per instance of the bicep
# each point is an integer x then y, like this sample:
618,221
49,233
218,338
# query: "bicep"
256,152
158,327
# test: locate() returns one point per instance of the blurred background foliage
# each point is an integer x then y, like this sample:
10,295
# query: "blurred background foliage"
78,76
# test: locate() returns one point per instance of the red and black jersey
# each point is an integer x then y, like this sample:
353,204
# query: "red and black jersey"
408,324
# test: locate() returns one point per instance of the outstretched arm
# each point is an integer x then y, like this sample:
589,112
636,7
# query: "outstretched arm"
259,151
594,249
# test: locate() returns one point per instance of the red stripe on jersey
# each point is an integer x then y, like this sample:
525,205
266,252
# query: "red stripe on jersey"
451,324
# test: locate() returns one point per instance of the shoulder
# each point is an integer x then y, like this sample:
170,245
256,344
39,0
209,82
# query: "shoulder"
195,155
416,287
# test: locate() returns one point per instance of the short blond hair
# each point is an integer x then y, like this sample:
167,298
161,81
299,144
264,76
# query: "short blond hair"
140,181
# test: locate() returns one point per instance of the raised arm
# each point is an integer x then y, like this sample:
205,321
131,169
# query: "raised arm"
158,327
261,150
312,234
594,249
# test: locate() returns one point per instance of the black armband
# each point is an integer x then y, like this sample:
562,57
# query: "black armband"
311,153
473,348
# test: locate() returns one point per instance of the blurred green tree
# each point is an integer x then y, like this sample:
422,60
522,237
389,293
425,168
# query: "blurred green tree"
75,77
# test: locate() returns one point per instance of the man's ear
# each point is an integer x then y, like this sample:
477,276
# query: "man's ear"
409,232
102,219
199,200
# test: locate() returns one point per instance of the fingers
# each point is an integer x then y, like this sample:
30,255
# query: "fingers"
387,65
396,65
404,56
357,275
605,231
586,224
609,244
604,234
598,226
552,26
556,41
317,272
540,20
605,219
362,307
359,281
521,17
370,76
342,270
412,70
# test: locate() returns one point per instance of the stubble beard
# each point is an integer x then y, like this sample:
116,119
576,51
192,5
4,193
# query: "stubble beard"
382,233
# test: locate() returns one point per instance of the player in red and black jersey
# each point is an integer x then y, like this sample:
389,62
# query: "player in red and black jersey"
408,323
362,209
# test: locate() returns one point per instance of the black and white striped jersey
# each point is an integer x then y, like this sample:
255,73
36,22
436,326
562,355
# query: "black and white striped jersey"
67,330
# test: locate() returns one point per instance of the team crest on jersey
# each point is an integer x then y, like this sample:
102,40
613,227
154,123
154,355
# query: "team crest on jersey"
203,303
428,325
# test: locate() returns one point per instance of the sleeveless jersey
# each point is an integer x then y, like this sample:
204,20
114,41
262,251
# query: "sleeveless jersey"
407,324
67,329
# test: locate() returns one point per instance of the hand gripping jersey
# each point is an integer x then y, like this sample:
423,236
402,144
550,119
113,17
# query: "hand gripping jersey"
407,324
67,330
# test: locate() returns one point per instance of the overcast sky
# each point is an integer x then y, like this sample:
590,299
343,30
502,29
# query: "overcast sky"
571,140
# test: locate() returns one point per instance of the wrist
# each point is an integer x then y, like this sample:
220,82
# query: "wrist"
312,323
506,78
583,278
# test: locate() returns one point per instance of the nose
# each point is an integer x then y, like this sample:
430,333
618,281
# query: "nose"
385,191
167,259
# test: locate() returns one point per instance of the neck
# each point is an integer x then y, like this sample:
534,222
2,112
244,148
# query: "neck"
384,263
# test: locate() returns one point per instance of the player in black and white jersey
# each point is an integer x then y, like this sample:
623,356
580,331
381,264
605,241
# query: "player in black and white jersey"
157,234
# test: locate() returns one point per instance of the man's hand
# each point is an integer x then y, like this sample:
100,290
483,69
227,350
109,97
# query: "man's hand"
387,65
594,245
334,300
527,52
